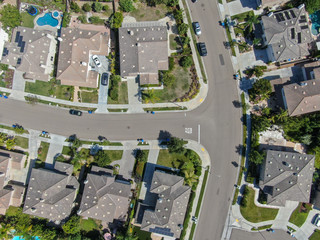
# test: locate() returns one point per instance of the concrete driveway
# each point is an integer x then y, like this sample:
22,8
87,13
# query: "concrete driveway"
241,6
104,64
255,57
103,93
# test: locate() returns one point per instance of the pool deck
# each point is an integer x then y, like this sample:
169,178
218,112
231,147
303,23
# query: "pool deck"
47,27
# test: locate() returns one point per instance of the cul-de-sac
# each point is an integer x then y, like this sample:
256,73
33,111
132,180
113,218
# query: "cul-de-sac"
160,119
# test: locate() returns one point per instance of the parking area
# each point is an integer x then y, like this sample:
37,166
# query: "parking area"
104,64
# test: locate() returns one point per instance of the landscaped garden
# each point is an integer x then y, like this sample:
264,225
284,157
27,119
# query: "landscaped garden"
118,91
251,212
300,214
6,77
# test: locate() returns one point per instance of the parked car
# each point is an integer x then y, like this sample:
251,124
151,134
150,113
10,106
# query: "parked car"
202,49
75,112
104,79
194,1
196,27
317,220
96,60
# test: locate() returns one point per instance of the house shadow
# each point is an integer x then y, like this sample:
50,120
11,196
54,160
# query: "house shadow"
249,4
261,55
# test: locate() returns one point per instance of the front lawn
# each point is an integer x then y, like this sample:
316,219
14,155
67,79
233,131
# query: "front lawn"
89,96
142,235
315,235
299,215
144,13
172,160
242,16
256,214
114,155
173,42
123,95
43,151
22,142
27,20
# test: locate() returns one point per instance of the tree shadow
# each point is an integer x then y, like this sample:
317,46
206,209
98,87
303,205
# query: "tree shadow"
164,135
239,149
236,104
235,164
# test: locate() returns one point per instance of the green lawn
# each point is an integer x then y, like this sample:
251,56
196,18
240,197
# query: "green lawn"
43,88
242,16
22,142
44,151
172,160
89,97
66,150
12,211
114,154
142,235
88,225
315,235
144,13
178,89
140,165
257,214
123,95
27,20
298,218
261,227
173,43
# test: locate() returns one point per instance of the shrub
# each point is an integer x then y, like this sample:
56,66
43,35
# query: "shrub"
96,7
126,5
186,61
105,8
116,20
168,79
176,145
86,7
82,19
171,63
66,19
183,28
75,7
96,20
141,156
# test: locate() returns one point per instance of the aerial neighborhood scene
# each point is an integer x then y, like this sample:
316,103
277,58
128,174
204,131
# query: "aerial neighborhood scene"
160,119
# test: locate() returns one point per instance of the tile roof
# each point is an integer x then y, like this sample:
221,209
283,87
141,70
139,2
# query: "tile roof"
287,33
104,197
286,176
32,52
143,49
303,97
75,50
51,193
170,209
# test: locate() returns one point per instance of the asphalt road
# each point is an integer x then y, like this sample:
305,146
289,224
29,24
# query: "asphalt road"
217,118
238,234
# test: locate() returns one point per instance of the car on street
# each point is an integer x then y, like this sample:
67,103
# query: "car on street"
317,220
197,29
75,112
194,1
202,49
96,60
104,79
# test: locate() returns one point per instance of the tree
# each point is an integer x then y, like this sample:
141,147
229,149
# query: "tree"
141,156
185,40
116,20
86,7
183,28
168,79
176,145
256,41
282,116
105,8
18,129
10,143
178,16
66,19
186,61
3,138
193,157
96,7
72,226
75,7
260,90
10,17
306,139
312,5
256,157
149,96
82,19
190,178
251,20
172,3
102,159
75,142
126,5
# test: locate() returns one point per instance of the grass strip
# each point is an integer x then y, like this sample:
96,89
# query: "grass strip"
117,109
261,227
233,51
13,129
104,143
42,154
186,9
165,108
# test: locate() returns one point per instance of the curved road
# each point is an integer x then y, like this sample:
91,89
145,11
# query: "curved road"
219,121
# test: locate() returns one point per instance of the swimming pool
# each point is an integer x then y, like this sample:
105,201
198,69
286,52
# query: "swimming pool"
315,19
47,19
55,14
20,238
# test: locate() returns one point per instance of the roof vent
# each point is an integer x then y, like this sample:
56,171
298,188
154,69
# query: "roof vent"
33,209
164,217
166,209
270,162
268,175
41,200
313,83
79,211
158,210
290,182
304,92
278,189
314,106
270,14
86,181
297,168
281,170
131,33
160,200
148,222
301,6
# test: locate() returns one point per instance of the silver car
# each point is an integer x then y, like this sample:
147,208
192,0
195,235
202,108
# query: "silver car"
196,27
96,60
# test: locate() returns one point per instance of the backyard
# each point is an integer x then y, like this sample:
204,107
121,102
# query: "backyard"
89,224
142,12
142,235
173,42
123,95
27,20
300,214
50,89
50,4
256,214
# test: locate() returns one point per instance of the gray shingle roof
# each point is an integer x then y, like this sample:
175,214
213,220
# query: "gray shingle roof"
143,49
51,193
287,33
104,197
170,209
286,176
30,51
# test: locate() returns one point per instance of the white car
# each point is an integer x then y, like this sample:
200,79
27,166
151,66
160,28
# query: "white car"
96,60
317,220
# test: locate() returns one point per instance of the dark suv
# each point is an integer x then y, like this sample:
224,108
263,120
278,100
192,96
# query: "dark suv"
75,112
202,49
104,79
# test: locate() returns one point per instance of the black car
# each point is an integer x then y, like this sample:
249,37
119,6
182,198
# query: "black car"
75,112
202,49
104,79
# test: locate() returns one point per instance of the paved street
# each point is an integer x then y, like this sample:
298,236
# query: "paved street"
215,124
262,235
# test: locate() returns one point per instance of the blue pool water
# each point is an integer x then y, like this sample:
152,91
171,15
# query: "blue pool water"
47,19
20,238
55,14
315,19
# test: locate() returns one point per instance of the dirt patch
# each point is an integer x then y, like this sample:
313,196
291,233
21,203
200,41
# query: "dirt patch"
7,79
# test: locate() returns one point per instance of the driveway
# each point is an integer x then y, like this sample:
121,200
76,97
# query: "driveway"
103,93
104,64
255,57
241,6
238,234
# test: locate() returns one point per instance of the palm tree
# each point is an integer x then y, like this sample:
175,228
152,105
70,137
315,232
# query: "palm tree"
251,20
149,96
190,178
282,116
256,41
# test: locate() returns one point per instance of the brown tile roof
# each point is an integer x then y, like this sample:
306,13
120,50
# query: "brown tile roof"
104,197
302,98
143,48
32,52
76,48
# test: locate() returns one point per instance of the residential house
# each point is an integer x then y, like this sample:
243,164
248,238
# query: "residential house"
31,52
105,197
271,3
143,50
11,192
311,70
4,37
51,192
316,199
165,216
286,176
287,34
75,64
